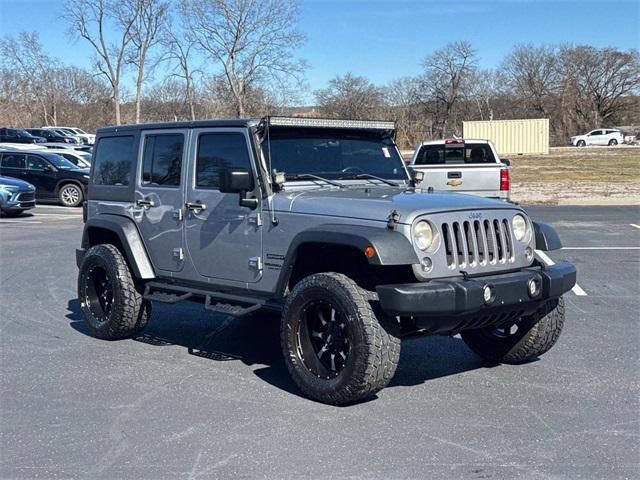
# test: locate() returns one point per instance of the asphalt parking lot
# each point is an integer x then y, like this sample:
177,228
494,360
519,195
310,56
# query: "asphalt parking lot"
199,396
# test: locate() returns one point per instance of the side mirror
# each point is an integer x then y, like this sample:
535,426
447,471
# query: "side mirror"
416,176
49,168
238,180
506,161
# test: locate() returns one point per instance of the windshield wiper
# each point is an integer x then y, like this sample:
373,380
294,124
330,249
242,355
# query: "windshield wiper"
369,176
309,176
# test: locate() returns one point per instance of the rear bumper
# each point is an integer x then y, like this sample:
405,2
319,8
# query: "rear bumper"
460,297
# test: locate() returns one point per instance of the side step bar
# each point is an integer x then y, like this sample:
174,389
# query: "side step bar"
229,309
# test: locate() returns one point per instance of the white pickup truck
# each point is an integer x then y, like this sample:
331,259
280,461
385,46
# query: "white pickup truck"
464,166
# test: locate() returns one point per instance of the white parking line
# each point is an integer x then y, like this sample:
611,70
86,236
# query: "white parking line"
577,289
634,225
600,248
18,221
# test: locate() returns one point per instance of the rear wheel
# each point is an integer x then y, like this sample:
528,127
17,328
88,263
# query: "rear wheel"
70,195
581,143
613,142
519,341
338,348
113,308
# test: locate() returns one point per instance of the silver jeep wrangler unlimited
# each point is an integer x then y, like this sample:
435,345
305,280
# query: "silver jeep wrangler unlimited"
318,219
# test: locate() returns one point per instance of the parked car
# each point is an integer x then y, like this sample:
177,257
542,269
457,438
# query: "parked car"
53,136
318,219
84,137
53,176
600,136
19,135
16,196
462,166
79,158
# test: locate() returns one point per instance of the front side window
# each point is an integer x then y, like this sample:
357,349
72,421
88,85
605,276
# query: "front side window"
113,161
162,163
218,151
36,163
11,160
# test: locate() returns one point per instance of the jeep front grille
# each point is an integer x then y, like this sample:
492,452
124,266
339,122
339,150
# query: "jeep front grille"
473,243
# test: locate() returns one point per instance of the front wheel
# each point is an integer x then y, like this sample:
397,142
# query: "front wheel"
70,195
338,348
519,341
581,143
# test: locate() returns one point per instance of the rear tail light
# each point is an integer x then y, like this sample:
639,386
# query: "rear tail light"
504,179
454,141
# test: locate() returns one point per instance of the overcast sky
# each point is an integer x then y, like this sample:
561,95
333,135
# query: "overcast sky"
383,40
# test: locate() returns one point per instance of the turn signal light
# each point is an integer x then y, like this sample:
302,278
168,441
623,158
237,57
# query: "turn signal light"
369,251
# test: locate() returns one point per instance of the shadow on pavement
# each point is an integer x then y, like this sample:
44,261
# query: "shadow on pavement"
255,340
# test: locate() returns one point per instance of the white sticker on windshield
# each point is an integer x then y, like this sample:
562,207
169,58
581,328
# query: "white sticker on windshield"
385,151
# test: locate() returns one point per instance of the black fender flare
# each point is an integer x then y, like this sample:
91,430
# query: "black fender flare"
546,237
130,240
390,247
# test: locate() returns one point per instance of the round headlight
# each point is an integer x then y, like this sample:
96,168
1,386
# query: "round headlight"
519,227
423,235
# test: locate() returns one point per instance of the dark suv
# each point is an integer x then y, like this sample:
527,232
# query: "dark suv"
52,136
19,135
52,175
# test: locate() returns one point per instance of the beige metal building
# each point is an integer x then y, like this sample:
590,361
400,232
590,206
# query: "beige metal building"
512,137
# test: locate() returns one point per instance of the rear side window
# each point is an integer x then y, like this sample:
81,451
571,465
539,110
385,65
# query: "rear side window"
470,153
13,161
113,161
217,151
162,159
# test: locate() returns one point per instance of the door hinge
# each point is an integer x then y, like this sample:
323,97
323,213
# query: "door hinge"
255,263
255,219
178,214
178,254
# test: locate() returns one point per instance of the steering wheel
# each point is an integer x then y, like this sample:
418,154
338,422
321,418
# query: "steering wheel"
352,169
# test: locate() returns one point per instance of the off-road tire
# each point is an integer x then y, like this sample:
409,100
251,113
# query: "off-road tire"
535,336
129,313
375,347
70,195
581,143
613,142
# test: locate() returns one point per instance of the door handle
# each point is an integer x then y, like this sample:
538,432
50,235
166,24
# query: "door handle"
454,174
195,206
146,203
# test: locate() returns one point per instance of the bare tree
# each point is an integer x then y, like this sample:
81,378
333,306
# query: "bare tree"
351,97
445,80
90,20
149,18
598,81
179,50
254,41
533,75
400,104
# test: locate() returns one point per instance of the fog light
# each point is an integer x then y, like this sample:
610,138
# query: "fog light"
528,254
427,264
488,294
534,287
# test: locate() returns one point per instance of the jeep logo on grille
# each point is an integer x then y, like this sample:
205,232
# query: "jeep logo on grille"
475,216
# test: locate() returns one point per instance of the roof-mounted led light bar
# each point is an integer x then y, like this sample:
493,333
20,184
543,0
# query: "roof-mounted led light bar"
329,123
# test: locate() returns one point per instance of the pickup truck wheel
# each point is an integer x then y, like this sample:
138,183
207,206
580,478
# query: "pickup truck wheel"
613,142
337,346
526,339
112,306
581,143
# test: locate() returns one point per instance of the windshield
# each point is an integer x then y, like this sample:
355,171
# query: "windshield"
23,133
334,154
60,162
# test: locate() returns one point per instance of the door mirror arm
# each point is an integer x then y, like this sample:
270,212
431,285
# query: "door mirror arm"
252,203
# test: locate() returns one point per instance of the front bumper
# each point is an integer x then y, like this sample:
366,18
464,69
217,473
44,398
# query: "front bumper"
19,200
464,297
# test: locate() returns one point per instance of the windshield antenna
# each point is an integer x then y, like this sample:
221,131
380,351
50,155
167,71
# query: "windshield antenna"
274,219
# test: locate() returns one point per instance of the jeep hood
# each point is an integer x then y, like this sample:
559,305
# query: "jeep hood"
376,203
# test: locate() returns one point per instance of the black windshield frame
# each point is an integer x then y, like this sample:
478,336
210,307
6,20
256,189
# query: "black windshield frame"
335,154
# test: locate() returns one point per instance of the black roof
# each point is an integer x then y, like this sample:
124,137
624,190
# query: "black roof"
231,122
